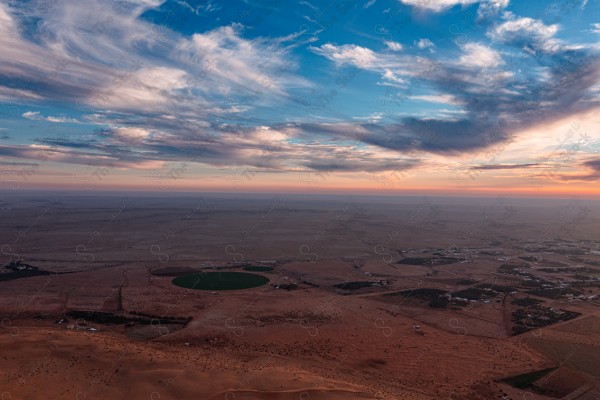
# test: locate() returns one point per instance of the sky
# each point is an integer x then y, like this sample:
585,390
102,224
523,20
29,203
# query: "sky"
363,96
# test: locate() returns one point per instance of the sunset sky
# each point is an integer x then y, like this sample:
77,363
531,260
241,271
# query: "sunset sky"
362,96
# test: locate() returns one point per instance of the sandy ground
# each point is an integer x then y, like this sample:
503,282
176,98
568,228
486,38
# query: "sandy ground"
314,344
51,364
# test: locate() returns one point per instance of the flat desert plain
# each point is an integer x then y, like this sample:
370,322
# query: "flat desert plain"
148,297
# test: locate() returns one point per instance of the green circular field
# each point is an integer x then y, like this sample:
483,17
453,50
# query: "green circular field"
220,281
257,268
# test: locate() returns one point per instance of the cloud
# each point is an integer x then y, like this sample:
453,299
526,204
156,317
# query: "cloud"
19,93
36,116
208,7
424,43
226,58
364,164
65,155
369,4
527,33
394,46
594,166
437,98
479,56
390,78
146,89
155,96
158,96
596,27
486,7
593,174
18,164
390,65
488,167
104,56
491,109
494,102
348,53
364,58
410,135
309,5
437,5
263,147
130,134
491,8
10,30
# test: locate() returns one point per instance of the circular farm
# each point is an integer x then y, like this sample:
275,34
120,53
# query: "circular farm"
220,281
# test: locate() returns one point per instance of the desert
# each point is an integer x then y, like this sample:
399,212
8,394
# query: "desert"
346,309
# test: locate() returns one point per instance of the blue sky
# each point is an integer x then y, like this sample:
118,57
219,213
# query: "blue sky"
351,90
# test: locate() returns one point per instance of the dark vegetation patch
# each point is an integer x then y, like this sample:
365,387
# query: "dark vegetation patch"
582,277
286,286
586,270
538,316
9,276
531,248
434,297
586,284
471,293
553,264
103,317
423,293
353,285
257,268
483,291
571,251
304,318
173,271
493,253
359,285
553,293
19,270
439,302
466,282
496,288
524,381
429,260
513,269
562,382
531,258
529,280
536,282
527,302
220,281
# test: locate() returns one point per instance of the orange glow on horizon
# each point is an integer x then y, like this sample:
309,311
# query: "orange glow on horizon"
549,191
